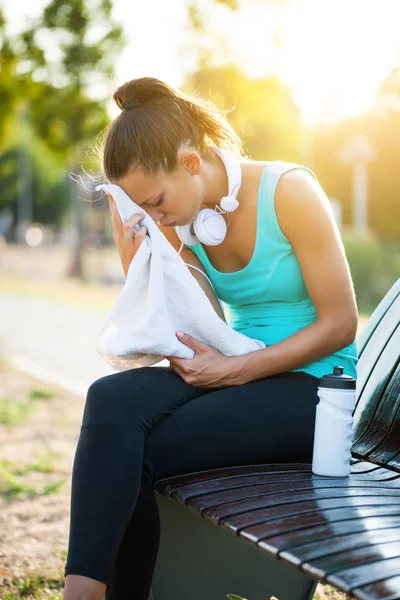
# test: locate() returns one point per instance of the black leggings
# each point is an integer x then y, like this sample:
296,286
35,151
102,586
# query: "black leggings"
145,424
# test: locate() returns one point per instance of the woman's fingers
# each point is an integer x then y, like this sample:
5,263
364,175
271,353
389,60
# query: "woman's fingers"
126,240
139,236
130,224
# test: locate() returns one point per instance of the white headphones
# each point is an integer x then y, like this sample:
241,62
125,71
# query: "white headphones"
209,226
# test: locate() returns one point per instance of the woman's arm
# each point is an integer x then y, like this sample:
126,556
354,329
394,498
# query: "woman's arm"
190,258
306,219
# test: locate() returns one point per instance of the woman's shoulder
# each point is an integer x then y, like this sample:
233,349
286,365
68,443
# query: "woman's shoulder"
298,185
299,198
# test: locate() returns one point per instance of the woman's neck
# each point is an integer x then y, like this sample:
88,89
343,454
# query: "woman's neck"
216,179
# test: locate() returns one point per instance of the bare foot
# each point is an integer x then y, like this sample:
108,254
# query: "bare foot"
78,587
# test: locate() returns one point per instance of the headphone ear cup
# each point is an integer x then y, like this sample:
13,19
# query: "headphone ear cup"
186,235
210,227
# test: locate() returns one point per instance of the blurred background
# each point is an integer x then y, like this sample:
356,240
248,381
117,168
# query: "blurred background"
315,82
310,81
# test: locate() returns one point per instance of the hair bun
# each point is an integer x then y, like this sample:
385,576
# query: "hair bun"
125,102
143,90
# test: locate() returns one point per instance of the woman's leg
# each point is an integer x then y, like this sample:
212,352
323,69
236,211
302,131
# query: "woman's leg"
120,410
137,553
266,421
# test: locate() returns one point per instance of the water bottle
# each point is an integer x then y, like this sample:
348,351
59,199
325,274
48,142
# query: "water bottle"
334,424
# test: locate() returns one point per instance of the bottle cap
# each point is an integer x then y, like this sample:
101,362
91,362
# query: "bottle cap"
337,380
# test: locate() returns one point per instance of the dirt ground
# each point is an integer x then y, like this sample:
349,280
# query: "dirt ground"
35,462
39,427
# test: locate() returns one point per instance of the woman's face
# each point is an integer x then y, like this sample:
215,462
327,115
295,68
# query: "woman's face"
170,199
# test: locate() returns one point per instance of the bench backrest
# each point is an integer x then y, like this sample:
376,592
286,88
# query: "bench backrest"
376,435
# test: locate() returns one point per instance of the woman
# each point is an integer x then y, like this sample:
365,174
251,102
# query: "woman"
283,277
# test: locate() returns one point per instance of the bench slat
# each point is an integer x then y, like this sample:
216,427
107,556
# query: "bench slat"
313,550
378,472
376,317
348,579
211,484
389,589
217,514
381,441
251,523
277,543
371,395
379,341
214,499
321,567
168,485
286,525
187,493
360,465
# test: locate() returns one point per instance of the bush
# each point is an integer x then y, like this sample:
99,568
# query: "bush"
374,266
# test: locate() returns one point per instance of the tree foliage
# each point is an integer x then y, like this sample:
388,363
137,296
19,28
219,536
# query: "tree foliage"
85,42
268,121
47,116
263,112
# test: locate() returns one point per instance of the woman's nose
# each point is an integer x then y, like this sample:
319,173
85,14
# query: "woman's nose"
156,215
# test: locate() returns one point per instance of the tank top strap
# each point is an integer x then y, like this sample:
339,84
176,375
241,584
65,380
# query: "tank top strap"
267,221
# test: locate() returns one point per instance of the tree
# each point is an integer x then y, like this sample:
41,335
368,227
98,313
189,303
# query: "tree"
47,118
62,113
263,114
8,64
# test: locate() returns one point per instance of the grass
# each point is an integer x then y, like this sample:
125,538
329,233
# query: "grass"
14,412
12,484
326,593
36,586
42,394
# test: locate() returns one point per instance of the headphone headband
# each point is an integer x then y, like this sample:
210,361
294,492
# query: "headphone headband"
229,203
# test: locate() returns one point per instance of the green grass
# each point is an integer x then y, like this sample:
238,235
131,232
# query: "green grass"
14,412
36,586
12,475
42,394
329,593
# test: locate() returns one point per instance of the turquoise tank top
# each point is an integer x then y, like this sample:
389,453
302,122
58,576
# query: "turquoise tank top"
267,300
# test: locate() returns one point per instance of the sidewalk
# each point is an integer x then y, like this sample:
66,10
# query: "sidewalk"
52,341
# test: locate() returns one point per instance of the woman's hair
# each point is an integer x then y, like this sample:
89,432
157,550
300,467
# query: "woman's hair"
155,121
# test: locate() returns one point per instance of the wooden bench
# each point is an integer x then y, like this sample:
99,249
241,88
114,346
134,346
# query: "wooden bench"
343,531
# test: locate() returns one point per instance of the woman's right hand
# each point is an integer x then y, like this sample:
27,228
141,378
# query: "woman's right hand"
127,242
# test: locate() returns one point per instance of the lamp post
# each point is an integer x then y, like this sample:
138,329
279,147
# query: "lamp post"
24,174
358,152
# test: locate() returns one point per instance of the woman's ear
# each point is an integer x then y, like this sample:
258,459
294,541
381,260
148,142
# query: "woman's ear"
190,161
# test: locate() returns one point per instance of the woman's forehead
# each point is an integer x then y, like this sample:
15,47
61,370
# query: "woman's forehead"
141,186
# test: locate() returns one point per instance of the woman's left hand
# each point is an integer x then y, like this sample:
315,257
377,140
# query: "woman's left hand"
208,368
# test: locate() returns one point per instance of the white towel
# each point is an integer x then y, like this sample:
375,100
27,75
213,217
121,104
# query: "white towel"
160,297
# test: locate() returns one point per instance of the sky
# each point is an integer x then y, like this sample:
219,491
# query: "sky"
332,53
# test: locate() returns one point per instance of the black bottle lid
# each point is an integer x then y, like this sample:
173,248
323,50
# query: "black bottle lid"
337,380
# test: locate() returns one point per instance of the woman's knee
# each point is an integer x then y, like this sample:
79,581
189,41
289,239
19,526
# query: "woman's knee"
117,397
99,399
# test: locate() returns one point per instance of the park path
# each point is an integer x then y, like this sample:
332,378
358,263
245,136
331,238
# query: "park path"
52,341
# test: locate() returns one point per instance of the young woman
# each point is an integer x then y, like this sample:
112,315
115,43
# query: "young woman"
283,277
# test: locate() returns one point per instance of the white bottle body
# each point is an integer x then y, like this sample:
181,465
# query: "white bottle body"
333,432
